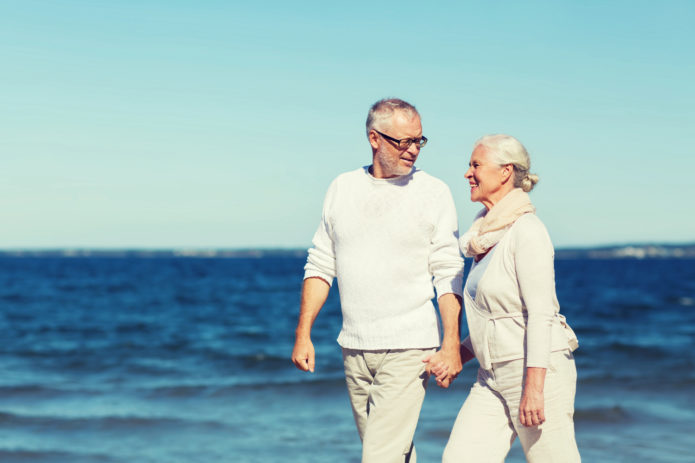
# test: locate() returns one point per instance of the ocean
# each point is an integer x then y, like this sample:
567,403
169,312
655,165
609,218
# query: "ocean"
181,360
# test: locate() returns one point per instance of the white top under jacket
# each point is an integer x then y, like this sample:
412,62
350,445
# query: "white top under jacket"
390,243
515,312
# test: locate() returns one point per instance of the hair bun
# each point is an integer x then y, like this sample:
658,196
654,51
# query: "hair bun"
529,182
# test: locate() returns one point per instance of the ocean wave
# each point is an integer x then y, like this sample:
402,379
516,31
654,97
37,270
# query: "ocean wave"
613,414
256,332
136,327
636,349
53,456
684,382
130,368
671,376
262,360
15,297
128,423
186,391
174,359
36,391
259,360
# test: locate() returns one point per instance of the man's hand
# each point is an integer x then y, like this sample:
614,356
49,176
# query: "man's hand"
314,294
445,364
303,354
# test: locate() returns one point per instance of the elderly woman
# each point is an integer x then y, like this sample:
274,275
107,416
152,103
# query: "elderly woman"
527,377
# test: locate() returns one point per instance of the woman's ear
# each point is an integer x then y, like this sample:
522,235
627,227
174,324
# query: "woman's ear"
507,172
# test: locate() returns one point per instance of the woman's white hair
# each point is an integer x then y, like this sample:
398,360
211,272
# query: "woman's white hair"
506,149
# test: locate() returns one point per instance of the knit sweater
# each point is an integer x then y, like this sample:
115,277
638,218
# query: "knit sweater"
390,243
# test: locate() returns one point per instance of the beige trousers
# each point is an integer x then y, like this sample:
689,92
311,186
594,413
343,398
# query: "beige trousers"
386,390
489,422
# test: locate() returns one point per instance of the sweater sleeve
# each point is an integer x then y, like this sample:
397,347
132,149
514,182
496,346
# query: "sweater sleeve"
535,271
445,261
321,259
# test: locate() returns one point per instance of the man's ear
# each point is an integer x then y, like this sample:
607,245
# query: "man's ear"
374,139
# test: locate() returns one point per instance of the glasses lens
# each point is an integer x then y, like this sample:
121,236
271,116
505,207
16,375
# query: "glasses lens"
419,142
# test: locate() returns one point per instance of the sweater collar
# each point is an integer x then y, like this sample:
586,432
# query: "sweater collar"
399,180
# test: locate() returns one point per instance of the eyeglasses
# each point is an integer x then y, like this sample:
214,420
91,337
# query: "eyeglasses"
404,143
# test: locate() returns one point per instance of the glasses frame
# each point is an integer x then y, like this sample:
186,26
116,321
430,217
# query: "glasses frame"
422,141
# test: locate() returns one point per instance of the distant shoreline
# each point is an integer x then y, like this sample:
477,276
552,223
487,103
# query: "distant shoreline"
626,251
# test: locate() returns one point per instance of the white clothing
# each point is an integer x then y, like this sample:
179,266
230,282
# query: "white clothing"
489,421
390,243
476,273
515,313
386,391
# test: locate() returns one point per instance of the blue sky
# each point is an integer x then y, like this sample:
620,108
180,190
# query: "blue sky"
158,124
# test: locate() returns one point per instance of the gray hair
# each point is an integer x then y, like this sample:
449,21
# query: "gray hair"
382,111
506,149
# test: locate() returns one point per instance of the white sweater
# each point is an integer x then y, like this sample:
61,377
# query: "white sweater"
515,312
389,242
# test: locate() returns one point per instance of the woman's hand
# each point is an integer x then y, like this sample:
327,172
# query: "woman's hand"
440,370
532,406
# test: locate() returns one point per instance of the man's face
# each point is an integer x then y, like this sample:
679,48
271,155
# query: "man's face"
389,160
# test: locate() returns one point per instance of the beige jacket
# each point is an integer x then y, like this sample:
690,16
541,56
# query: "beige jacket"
515,313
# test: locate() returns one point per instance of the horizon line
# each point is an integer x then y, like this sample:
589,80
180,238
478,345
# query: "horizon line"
290,248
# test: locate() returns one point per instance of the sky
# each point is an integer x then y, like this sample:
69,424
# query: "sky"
218,124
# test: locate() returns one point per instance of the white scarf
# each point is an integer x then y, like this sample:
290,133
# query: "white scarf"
489,226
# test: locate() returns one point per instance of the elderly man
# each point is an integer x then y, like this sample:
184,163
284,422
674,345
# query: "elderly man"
388,233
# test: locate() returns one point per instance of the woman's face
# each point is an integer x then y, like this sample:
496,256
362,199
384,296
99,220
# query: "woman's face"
487,179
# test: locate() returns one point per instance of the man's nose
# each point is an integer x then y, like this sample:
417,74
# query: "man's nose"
413,149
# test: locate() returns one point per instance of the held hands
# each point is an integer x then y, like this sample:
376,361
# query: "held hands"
445,364
303,354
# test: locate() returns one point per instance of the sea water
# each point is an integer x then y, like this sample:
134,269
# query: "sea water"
174,360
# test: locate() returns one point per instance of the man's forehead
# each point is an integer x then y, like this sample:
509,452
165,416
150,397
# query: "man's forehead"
404,114
404,118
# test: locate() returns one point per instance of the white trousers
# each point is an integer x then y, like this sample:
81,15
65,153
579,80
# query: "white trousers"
489,421
386,390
